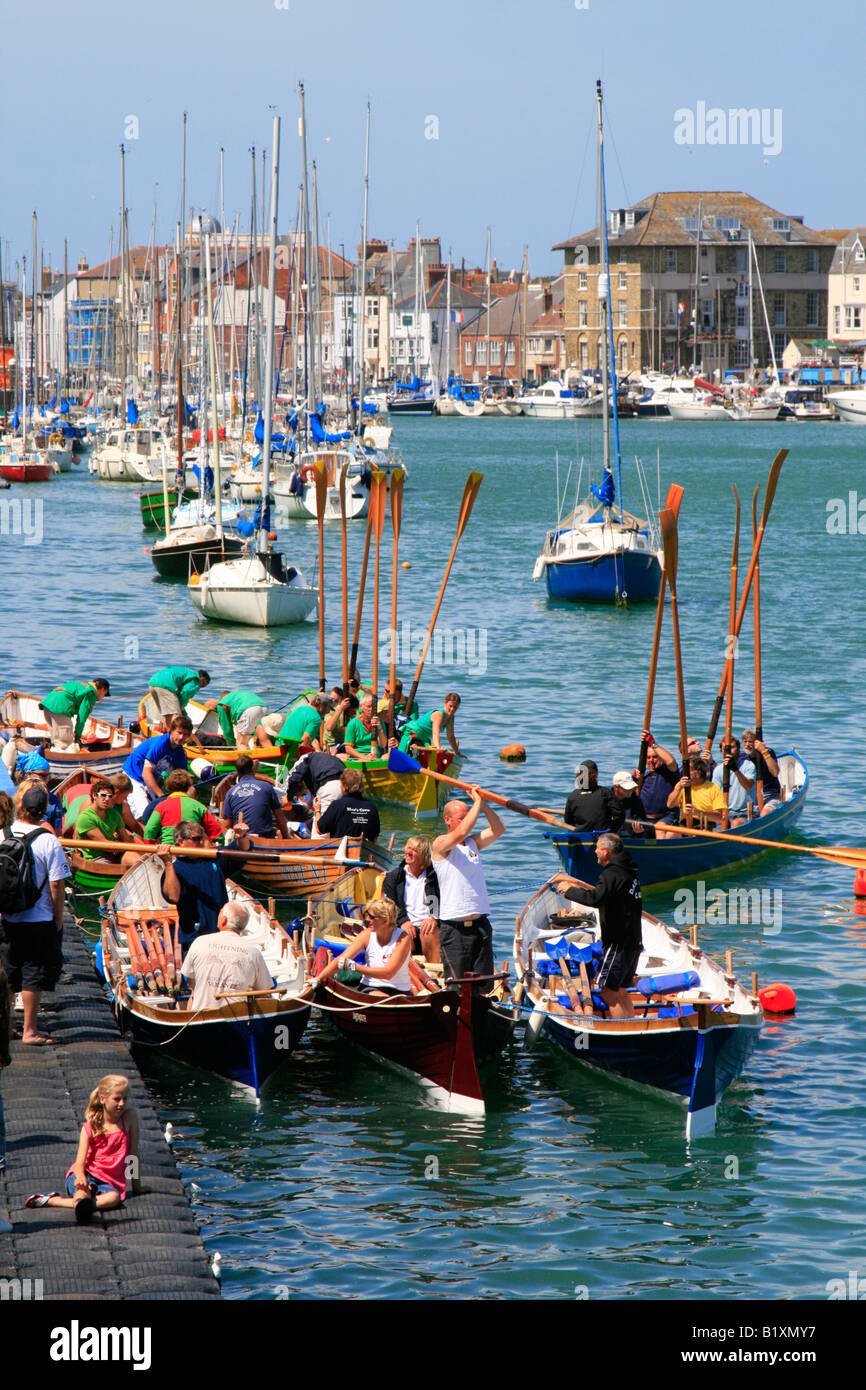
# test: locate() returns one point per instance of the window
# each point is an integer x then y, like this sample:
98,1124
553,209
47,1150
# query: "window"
728,224
853,316
837,319
778,311
623,356
780,342
623,256
779,262
740,355
812,262
584,355
467,353
434,332
670,260
856,284
495,353
691,225
670,309
548,345
812,309
622,320
581,280
781,225
623,280
740,258
859,253
510,353
481,354
741,316
581,313
372,339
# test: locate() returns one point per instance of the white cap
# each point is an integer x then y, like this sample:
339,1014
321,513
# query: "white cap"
625,781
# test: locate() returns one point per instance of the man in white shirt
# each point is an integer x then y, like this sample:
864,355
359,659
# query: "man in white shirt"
30,951
741,790
465,933
223,962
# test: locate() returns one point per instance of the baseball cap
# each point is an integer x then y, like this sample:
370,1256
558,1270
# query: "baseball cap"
35,801
625,781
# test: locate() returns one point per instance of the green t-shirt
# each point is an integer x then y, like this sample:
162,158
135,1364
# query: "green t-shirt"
232,706
181,680
109,827
358,736
422,729
299,721
75,699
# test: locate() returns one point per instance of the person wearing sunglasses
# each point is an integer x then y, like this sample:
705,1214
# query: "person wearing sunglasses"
197,883
101,823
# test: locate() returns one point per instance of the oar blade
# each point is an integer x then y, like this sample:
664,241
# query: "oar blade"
401,762
321,480
378,498
397,479
674,498
470,492
343,471
670,545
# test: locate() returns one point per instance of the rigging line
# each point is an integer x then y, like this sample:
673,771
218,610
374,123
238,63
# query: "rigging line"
579,179
609,129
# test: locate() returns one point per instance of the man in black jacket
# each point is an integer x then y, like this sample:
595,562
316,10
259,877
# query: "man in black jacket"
618,899
591,807
414,887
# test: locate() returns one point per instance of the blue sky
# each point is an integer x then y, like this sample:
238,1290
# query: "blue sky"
510,84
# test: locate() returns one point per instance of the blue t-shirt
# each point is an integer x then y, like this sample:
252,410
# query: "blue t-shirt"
55,813
203,893
257,800
657,787
154,750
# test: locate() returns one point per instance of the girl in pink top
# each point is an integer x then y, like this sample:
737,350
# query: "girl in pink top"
107,1154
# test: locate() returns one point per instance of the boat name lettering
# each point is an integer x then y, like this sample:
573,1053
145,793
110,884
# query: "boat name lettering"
359,1018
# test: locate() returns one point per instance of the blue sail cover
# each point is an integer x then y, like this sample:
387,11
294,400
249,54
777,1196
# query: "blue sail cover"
131,413
259,431
64,406
606,493
16,419
188,415
52,403
321,436
370,407
248,528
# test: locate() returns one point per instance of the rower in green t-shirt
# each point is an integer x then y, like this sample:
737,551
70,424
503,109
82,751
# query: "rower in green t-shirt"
365,736
73,701
304,722
239,712
174,686
427,730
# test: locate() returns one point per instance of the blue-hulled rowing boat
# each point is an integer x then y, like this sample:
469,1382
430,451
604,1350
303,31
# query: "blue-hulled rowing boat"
695,1027
665,861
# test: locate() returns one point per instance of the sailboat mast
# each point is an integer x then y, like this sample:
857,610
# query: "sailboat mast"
363,285
308,271
603,301
123,326
523,334
489,272
448,326
23,375
751,315
609,363
217,486
269,340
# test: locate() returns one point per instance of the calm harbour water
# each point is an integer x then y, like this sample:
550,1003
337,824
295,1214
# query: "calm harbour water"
343,1184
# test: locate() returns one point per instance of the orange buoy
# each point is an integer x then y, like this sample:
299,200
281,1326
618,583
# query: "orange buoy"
513,753
405,565
777,999
860,884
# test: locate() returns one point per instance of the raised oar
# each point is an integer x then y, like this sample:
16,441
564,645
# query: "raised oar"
378,500
772,481
401,762
835,854
397,478
353,659
282,856
321,478
671,550
343,471
757,758
729,708
470,492
672,504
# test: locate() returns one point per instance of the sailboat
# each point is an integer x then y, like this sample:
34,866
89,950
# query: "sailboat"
258,590
601,553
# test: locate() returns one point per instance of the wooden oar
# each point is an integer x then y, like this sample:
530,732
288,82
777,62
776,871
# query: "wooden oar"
401,762
729,706
345,598
353,659
836,854
397,478
672,504
321,473
757,758
470,492
281,856
671,550
378,499
772,481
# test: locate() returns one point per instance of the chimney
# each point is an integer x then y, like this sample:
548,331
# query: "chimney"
82,263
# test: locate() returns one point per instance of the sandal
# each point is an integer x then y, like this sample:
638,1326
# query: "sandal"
40,1199
84,1211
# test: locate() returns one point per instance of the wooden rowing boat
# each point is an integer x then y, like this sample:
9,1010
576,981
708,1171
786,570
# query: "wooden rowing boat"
221,756
104,747
245,1038
696,1026
662,862
438,1037
420,794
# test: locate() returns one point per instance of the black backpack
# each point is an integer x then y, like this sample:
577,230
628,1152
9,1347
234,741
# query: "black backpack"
19,890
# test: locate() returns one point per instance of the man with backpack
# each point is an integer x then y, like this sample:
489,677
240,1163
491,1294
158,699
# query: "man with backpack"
33,869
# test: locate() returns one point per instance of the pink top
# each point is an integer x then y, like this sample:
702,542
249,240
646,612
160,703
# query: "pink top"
106,1156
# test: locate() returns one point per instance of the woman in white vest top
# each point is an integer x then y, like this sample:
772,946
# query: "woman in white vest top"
465,933
387,947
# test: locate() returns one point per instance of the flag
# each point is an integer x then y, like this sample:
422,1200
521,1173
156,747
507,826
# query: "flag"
456,315
681,308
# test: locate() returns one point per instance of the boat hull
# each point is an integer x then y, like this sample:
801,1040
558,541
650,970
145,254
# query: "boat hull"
666,861
597,579
173,561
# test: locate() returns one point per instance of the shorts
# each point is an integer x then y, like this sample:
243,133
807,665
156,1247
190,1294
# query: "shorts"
246,724
30,954
618,966
93,1183
272,723
166,701
467,949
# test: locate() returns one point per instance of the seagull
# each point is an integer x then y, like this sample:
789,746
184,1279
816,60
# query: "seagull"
215,1264
169,1131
